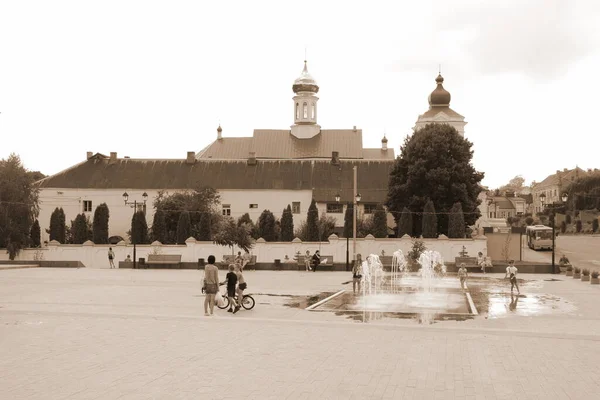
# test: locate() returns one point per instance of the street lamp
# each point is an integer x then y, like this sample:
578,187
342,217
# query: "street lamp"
133,204
356,200
553,206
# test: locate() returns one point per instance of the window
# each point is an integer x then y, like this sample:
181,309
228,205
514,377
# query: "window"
253,205
335,208
296,207
313,111
370,208
226,209
87,206
297,111
305,106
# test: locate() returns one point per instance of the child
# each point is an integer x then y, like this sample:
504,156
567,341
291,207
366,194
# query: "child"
357,273
511,273
462,275
231,279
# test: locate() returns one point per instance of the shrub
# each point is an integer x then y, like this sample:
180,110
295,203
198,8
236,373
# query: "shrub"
287,225
568,218
595,274
266,226
578,226
159,227
529,220
456,222
429,221
348,217
577,270
80,229
380,228
595,225
405,225
563,227
312,223
418,247
35,234
139,228
184,227
585,272
100,224
569,268
58,226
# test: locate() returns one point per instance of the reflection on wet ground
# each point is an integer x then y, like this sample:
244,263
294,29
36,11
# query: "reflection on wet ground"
491,298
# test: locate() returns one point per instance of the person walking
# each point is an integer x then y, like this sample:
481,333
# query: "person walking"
511,273
357,273
463,275
111,257
307,261
316,260
481,261
211,285
241,285
231,280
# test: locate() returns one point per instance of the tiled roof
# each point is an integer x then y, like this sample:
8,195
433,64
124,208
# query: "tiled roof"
563,177
503,203
322,177
433,111
281,144
378,154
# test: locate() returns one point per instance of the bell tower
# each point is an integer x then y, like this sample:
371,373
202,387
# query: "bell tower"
305,106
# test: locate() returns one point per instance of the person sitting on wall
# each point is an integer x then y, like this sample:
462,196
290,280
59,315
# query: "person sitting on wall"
316,260
564,261
128,259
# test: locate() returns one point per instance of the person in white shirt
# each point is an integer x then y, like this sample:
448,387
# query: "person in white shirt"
511,273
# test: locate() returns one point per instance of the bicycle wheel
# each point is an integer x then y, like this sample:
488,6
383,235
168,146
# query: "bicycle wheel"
225,303
248,302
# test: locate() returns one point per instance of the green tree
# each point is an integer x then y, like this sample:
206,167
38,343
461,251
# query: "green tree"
405,225
456,223
287,225
364,226
18,205
231,234
139,228
326,226
312,223
348,221
58,226
430,221
266,226
100,224
434,164
245,219
36,234
80,231
199,202
159,227
380,228
184,227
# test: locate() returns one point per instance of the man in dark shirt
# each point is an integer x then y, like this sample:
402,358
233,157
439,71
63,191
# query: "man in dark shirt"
231,280
316,260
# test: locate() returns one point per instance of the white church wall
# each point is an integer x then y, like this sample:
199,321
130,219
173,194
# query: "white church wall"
96,256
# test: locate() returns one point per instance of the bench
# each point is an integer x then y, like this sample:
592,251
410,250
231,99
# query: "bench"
164,259
325,266
230,259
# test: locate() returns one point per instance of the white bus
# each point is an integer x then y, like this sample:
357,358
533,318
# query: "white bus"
539,237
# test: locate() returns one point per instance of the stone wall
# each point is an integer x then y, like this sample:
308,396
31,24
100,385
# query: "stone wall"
96,256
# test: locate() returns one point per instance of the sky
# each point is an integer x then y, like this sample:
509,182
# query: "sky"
153,79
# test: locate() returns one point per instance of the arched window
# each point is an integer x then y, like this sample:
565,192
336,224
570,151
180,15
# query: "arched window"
305,106
297,110
313,111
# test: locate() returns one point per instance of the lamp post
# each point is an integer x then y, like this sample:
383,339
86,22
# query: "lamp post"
133,204
553,206
356,200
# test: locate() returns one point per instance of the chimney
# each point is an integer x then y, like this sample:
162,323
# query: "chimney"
219,130
191,157
252,158
335,157
384,143
113,157
354,128
89,155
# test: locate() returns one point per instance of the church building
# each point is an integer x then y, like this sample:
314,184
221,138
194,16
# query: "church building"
270,170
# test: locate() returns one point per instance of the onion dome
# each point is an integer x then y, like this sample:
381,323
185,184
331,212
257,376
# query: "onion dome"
219,130
384,140
305,82
439,96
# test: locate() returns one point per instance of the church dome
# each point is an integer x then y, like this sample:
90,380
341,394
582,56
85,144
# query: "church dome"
439,96
305,82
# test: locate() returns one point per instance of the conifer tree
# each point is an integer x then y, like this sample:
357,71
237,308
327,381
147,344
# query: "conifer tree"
405,225
380,228
100,224
184,227
266,226
287,225
348,220
312,222
159,227
456,222
430,225
35,234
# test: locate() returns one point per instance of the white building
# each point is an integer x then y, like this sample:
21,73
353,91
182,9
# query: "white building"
269,170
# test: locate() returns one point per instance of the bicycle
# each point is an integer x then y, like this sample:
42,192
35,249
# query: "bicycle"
247,301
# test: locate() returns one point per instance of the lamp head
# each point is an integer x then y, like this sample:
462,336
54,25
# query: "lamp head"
543,198
564,197
337,197
145,196
125,197
358,197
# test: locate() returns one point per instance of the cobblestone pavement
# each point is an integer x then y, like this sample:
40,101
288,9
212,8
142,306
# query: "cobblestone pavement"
116,334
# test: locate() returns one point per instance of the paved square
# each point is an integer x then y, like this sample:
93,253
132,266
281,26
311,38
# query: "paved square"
130,334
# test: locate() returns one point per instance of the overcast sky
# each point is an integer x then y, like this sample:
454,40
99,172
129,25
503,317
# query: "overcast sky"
152,79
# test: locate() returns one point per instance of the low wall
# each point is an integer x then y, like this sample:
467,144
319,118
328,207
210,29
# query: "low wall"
91,255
